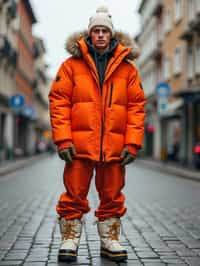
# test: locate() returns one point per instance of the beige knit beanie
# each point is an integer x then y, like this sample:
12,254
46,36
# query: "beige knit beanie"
101,18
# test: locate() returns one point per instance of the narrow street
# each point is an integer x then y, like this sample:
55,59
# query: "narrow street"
161,227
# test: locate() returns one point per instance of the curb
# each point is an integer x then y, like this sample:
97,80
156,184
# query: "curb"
19,164
170,169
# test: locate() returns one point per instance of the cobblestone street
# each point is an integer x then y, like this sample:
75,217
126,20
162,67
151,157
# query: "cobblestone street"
161,227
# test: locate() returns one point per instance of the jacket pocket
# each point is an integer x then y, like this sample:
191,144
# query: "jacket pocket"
111,92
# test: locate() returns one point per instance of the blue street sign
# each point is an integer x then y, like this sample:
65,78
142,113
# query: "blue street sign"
16,101
162,89
29,111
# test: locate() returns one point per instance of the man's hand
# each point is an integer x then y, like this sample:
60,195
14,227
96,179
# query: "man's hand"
67,154
126,156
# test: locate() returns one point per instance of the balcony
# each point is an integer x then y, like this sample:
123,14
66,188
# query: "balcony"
5,47
150,9
13,57
35,52
157,54
41,74
40,98
34,84
192,25
187,34
157,10
7,52
11,10
151,50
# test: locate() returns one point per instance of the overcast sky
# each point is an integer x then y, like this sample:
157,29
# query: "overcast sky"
58,19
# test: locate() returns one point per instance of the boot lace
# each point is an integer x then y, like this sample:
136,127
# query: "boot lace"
113,231
69,231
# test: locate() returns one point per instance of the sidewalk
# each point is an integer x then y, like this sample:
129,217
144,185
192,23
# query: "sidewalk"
7,167
170,168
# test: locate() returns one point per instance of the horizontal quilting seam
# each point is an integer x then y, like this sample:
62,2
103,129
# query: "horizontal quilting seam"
118,133
124,105
83,102
83,130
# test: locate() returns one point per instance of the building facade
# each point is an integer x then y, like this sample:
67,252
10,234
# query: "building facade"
150,66
23,81
170,74
24,125
8,62
190,93
41,90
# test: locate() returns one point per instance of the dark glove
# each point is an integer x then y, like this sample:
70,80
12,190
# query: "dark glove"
126,156
67,153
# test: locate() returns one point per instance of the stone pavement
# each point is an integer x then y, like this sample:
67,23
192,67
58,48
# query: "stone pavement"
155,233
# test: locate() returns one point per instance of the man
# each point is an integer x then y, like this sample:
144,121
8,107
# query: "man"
97,116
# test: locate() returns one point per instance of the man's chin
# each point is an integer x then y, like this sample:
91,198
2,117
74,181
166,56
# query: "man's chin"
101,47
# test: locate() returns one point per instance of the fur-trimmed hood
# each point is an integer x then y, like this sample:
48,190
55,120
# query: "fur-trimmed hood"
73,48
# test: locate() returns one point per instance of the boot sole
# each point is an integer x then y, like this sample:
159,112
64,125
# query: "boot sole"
67,256
114,256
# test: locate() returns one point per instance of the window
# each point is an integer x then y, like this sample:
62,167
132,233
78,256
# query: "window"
177,61
190,71
177,10
191,11
197,59
160,32
167,25
167,68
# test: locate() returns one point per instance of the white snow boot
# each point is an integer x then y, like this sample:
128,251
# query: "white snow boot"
109,231
71,232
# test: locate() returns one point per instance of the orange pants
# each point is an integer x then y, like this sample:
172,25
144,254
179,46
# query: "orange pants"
109,180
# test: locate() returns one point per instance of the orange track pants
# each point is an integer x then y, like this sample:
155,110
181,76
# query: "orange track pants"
109,180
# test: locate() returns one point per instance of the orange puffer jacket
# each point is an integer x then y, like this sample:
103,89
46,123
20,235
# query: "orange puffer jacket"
99,124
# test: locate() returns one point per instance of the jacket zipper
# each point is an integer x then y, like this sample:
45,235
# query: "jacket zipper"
111,92
102,121
102,154
102,133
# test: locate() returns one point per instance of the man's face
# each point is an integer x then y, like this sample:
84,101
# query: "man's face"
100,37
